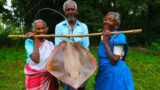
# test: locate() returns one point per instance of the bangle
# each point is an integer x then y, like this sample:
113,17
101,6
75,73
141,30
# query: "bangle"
108,48
35,51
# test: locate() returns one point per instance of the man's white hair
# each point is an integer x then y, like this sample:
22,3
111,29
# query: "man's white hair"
69,2
36,21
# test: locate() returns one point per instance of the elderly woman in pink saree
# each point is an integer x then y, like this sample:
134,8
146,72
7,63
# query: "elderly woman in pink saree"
38,51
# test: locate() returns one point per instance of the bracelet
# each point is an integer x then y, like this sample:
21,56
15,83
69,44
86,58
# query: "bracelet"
108,48
35,51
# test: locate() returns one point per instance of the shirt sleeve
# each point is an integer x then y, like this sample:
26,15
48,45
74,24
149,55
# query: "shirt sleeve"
57,32
29,45
52,46
85,42
119,50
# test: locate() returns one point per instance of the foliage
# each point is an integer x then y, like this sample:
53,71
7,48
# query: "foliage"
92,16
154,48
135,14
5,14
26,11
9,42
2,2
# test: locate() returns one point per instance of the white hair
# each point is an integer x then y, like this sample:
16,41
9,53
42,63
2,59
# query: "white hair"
36,21
116,16
69,2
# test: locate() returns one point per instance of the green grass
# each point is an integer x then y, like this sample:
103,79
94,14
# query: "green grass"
11,69
144,65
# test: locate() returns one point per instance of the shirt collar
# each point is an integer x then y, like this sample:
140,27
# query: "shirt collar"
66,23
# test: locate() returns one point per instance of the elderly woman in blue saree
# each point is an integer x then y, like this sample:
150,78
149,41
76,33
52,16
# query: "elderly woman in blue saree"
113,73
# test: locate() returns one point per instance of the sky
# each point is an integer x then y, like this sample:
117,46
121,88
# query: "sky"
8,5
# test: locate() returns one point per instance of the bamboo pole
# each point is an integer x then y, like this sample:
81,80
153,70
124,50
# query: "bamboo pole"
77,35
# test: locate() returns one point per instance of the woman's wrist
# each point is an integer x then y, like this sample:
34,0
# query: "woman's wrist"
36,51
107,46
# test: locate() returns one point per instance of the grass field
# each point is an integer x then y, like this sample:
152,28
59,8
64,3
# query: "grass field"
144,64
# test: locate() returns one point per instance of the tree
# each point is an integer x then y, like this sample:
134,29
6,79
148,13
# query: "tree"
135,14
26,10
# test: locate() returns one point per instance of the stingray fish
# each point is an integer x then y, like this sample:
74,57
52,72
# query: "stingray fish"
71,63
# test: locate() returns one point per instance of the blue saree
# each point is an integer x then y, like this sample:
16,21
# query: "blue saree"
109,76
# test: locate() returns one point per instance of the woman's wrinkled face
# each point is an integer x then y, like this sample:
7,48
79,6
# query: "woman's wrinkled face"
109,22
70,12
40,28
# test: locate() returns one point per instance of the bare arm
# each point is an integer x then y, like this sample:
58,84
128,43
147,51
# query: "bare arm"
35,55
114,58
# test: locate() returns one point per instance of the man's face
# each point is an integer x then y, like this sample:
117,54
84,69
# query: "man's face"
40,28
70,12
109,22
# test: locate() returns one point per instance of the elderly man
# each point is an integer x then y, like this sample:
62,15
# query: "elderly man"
76,27
38,51
71,26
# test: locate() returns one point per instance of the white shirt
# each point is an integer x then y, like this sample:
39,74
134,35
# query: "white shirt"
119,50
45,51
